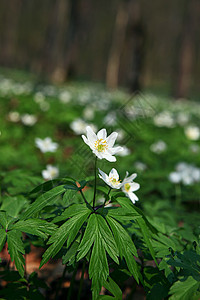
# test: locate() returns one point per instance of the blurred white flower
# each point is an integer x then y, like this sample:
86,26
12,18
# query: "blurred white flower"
51,172
128,187
65,96
182,118
164,119
101,145
194,148
124,152
39,97
112,179
110,119
79,126
121,134
28,120
158,147
46,145
192,133
140,166
14,116
185,173
88,113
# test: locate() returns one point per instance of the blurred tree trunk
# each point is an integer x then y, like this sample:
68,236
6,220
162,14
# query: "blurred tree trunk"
11,19
186,51
136,38
56,40
128,33
118,40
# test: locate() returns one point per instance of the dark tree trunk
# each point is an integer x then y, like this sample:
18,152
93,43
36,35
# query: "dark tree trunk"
186,51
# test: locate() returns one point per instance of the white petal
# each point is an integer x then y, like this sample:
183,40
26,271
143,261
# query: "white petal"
133,197
113,151
91,135
114,173
102,134
85,139
109,157
111,139
134,186
103,176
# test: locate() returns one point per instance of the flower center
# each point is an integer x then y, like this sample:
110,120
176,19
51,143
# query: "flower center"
127,187
101,145
114,181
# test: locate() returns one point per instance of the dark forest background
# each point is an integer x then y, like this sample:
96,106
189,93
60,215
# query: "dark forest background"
131,43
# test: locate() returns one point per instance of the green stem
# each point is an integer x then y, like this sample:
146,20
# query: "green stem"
95,180
107,196
72,283
84,197
81,281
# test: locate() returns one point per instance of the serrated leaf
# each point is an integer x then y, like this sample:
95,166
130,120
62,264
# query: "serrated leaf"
45,199
37,227
125,245
147,237
69,257
2,238
185,290
71,211
99,235
112,287
67,231
16,250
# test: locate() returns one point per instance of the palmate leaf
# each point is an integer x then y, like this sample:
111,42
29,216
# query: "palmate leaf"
185,290
125,245
67,231
99,235
147,237
112,287
16,249
45,199
37,227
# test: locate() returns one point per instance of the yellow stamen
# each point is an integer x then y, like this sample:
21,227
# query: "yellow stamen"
127,187
101,145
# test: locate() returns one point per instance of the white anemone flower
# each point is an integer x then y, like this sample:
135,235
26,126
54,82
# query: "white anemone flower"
46,145
128,187
101,145
112,179
51,172
192,133
28,120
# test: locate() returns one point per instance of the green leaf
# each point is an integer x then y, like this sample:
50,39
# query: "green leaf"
37,227
132,208
112,287
16,250
71,211
44,200
3,219
147,237
70,256
125,245
2,238
185,290
67,231
13,205
98,233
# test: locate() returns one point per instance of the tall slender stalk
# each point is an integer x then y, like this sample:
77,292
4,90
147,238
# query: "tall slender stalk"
81,281
95,180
